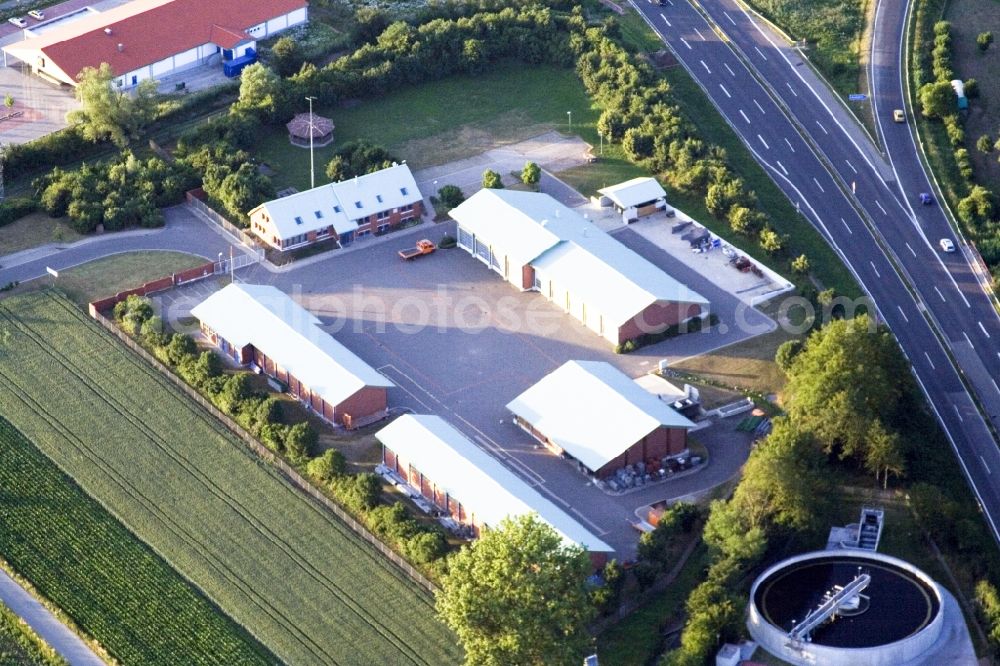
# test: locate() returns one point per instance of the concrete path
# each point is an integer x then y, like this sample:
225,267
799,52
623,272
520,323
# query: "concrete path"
45,624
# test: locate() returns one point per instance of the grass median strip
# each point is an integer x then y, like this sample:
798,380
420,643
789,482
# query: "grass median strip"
297,578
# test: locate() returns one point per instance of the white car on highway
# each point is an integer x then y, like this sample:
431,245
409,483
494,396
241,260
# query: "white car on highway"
947,245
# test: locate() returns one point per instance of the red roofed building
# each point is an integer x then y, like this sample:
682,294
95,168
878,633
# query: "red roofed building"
150,39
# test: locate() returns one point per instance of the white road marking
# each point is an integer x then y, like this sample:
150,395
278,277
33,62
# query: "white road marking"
930,361
793,90
983,460
685,42
759,106
782,167
725,91
995,384
821,127
940,294
877,274
910,249
879,204
744,116
818,185
959,414
905,318
968,340
983,329
789,145
844,222
763,142
705,66
729,69
761,53
699,34
729,17
669,25
851,166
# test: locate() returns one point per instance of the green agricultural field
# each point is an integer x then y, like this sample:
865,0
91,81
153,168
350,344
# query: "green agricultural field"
112,585
298,579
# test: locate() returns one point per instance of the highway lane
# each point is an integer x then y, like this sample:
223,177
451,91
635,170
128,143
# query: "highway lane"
800,173
946,283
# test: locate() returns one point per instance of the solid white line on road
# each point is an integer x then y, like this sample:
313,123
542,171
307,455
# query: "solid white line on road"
983,460
940,294
879,204
729,17
699,34
729,69
669,25
782,167
821,127
685,42
759,106
792,89
705,66
905,318
930,361
744,116
789,145
968,340
844,222
851,166
877,274
760,52
910,249
763,142
983,329
995,384
725,91
818,185
959,414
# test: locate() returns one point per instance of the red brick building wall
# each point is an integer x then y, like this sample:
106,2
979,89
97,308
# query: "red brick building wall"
652,448
656,318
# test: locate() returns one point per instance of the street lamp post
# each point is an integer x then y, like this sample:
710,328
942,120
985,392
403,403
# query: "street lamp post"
569,116
312,164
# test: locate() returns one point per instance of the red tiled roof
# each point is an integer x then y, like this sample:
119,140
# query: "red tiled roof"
159,31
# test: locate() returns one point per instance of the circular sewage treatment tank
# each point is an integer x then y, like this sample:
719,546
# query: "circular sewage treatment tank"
899,619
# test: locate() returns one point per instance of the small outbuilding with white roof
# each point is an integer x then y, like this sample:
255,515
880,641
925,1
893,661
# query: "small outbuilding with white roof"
261,326
637,197
467,483
373,203
538,244
592,412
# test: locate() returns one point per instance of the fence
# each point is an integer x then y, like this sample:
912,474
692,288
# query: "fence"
153,286
287,471
195,199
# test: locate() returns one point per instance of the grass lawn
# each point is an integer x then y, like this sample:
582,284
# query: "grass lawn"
441,121
636,640
112,585
107,276
34,230
299,580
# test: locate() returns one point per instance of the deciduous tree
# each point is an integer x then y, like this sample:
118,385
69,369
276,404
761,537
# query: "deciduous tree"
108,111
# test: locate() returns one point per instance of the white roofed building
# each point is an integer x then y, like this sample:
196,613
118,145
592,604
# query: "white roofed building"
590,411
538,244
467,483
261,326
637,197
373,203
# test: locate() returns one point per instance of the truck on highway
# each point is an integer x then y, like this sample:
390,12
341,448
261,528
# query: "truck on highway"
423,247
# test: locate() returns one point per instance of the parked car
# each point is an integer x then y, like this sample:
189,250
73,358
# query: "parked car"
947,245
926,199
36,14
899,116
18,21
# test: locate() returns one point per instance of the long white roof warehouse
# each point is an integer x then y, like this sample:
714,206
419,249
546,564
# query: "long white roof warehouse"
538,244
465,481
261,324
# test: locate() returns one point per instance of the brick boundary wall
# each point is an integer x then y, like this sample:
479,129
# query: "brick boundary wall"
287,471
154,286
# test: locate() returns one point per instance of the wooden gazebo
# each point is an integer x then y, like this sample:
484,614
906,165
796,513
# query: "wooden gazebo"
303,124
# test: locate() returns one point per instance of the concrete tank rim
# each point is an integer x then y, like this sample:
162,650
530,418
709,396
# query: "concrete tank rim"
848,552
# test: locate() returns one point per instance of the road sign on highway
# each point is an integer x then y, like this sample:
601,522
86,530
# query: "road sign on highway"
857,97
53,272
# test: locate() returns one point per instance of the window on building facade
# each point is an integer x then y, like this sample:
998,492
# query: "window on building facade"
407,207
382,215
